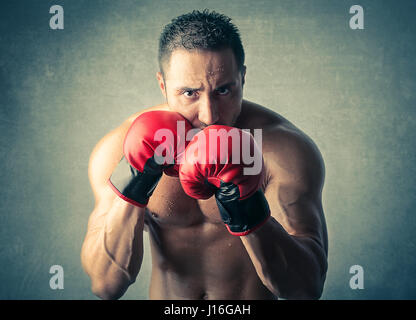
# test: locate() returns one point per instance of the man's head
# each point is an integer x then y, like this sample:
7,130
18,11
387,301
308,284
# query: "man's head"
202,70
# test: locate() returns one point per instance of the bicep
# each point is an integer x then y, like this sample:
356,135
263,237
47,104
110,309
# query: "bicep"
294,191
301,217
298,211
103,159
106,155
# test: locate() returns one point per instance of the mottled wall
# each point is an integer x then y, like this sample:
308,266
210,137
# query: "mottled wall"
352,91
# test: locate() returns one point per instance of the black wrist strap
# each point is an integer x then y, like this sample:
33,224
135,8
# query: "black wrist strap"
241,216
134,186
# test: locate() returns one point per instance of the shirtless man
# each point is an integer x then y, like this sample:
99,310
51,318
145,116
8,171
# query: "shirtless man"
194,255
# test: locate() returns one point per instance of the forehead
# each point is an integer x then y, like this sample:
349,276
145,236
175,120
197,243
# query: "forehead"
185,65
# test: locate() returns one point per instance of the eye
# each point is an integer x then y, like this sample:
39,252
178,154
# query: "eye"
223,91
189,93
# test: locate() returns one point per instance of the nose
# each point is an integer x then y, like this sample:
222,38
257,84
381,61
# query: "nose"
208,111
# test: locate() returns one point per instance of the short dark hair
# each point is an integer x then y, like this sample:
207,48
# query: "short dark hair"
200,30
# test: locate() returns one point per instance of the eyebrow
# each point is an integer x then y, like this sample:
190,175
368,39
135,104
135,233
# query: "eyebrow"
228,84
187,89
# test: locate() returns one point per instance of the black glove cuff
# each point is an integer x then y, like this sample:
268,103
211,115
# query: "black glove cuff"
241,216
134,186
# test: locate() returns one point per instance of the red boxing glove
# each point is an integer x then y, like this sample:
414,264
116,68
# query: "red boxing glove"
154,143
213,165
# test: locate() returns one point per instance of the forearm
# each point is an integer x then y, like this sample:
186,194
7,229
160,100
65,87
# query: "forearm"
113,249
290,267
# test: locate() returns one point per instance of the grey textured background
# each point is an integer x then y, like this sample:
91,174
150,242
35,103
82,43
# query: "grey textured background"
352,91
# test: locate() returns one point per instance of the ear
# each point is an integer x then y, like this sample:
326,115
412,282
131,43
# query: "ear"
243,75
161,82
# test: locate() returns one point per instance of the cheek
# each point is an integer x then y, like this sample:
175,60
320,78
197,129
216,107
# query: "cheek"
189,112
228,113
173,102
238,95
233,104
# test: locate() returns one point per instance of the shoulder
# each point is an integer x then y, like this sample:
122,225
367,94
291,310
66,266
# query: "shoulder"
108,152
293,160
254,116
291,150
291,157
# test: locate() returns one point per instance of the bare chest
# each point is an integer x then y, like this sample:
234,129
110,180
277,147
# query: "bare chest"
169,205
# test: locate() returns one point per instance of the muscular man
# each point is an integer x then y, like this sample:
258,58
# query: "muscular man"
194,253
